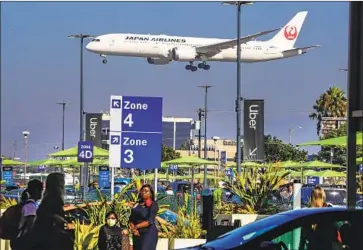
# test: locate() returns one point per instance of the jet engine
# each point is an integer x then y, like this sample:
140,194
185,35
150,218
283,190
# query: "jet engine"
158,61
184,54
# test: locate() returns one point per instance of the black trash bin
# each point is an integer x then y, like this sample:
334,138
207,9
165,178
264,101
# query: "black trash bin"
207,210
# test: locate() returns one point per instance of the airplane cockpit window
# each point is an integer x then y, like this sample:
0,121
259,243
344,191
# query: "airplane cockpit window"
95,40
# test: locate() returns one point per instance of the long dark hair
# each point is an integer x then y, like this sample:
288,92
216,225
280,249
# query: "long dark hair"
33,191
151,191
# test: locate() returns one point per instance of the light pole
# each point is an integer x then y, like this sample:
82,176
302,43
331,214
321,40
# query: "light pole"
291,130
215,139
63,115
206,87
239,87
25,134
81,37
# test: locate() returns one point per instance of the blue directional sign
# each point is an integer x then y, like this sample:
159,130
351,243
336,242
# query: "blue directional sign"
8,175
104,177
135,132
85,151
173,168
228,172
313,180
223,157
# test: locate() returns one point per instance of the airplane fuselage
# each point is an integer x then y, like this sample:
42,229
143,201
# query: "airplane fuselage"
160,47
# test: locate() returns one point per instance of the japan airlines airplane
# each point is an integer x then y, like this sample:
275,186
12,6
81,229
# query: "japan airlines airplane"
163,49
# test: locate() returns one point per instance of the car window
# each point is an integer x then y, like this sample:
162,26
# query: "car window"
327,234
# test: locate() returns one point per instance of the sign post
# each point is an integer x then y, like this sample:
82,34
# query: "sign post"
135,133
85,154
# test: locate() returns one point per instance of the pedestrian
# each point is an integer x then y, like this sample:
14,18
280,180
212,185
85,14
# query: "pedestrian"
28,202
50,227
142,220
112,236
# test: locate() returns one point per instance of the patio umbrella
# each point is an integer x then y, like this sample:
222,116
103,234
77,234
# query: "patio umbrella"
337,141
46,162
284,164
360,160
331,173
73,152
9,162
314,164
247,164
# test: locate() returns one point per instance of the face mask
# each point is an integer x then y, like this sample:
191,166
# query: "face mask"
111,222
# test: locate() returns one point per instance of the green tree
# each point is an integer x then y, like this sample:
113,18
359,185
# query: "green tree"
339,153
277,150
168,153
332,103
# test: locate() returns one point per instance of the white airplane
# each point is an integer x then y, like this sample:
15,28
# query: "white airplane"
163,49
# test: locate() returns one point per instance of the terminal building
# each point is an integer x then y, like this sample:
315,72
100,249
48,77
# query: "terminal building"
182,135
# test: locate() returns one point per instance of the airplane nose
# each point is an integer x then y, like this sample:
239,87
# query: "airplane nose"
89,46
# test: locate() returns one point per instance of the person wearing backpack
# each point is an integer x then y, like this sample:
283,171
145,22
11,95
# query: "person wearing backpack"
18,220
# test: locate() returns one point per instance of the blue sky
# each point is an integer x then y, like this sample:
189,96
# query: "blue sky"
40,66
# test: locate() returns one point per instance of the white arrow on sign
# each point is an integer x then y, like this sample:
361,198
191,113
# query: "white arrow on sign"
115,139
253,152
116,103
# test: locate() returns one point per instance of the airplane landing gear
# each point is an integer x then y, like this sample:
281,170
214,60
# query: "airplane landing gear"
204,66
104,60
191,67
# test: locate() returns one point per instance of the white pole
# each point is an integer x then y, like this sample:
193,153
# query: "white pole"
112,182
156,181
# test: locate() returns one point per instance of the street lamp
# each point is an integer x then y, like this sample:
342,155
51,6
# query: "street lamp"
63,115
239,87
206,87
25,134
81,37
291,130
215,139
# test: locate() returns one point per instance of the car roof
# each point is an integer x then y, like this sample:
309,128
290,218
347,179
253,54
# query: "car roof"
310,211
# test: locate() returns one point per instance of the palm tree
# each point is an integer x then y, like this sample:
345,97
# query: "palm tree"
332,103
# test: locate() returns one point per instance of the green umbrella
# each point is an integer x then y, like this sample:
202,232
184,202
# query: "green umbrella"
309,172
247,164
285,164
46,162
359,160
163,165
191,161
73,152
330,173
314,164
337,141
9,162
280,173
72,162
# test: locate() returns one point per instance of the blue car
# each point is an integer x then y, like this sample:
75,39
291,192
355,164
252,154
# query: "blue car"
284,231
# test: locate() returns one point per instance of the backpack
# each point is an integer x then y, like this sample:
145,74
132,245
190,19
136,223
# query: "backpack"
10,220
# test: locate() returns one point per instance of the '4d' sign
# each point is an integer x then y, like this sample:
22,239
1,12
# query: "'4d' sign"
85,151
136,127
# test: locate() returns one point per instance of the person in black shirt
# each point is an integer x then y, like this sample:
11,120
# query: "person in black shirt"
142,220
111,236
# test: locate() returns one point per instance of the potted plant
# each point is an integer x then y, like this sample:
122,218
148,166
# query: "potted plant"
188,229
254,189
86,236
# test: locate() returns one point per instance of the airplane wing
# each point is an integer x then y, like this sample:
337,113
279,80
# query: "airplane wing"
213,49
303,49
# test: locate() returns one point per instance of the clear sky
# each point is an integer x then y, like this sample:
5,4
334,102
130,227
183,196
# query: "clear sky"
40,66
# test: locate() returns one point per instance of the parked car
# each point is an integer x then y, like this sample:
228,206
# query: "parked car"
283,231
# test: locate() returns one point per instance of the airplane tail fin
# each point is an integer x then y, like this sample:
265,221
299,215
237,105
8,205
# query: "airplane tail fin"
287,36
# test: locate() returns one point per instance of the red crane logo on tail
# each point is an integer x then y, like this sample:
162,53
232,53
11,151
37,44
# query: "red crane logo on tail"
290,32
